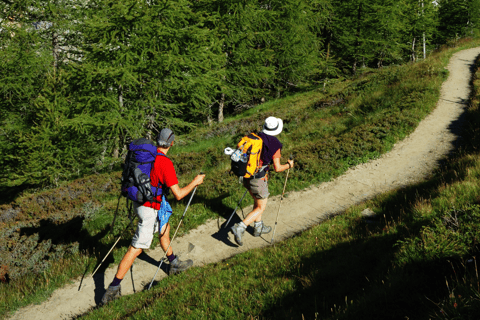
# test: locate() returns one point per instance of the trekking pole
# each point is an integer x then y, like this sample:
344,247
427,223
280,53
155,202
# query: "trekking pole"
116,211
226,224
181,219
121,235
284,186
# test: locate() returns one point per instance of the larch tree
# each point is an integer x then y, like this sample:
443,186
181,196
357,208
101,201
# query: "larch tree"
35,147
144,65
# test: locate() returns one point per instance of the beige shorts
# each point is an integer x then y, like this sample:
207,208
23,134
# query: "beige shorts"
147,225
258,187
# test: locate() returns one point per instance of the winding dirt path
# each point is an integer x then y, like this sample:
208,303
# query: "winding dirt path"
409,161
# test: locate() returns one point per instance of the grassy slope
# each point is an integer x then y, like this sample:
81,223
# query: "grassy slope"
353,121
416,259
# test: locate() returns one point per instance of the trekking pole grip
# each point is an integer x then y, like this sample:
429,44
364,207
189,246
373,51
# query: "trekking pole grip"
290,158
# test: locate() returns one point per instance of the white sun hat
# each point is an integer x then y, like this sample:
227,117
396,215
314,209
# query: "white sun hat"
272,126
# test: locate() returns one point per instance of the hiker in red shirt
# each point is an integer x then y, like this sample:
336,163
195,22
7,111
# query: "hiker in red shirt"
162,175
258,185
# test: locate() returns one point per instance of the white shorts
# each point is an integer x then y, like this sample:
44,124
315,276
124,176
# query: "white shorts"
146,227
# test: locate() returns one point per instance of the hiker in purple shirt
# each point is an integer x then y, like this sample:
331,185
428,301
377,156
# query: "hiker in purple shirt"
258,185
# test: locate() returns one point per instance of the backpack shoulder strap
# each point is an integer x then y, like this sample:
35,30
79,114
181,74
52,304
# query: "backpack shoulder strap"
159,154
254,136
162,155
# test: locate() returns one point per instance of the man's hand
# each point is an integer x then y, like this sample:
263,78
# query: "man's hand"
198,180
180,193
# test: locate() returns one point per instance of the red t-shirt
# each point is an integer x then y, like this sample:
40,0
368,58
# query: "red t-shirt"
162,174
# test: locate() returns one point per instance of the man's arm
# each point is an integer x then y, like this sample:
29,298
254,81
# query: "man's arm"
180,193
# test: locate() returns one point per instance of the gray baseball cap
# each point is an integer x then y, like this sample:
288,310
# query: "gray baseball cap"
165,137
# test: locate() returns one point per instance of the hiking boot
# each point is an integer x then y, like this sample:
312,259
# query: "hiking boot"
177,266
112,293
260,229
238,231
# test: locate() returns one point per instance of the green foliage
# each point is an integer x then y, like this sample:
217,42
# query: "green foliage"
270,49
450,236
381,33
18,95
35,104
82,78
454,19
142,69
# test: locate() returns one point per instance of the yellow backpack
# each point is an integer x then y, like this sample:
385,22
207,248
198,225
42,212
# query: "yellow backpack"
246,159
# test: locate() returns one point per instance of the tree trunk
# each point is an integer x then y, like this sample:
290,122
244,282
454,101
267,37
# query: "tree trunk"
357,36
120,97
380,61
424,45
116,150
55,51
413,50
220,108
424,48
326,65
209,115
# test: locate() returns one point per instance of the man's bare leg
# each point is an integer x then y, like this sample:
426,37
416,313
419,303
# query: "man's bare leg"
114,289
176,265
127,261
164,237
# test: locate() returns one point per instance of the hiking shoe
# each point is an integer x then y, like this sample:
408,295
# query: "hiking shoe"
260,229
177,266
112,293
238,231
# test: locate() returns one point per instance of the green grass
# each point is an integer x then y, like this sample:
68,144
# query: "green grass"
343,267
416,259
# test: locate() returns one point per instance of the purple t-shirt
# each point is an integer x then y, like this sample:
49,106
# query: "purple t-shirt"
270,146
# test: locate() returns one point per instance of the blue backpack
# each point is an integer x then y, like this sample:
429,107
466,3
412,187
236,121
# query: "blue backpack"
136,171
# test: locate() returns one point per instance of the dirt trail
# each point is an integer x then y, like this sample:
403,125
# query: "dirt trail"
409,161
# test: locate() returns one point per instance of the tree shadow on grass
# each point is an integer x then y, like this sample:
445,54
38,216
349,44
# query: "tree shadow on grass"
71,234
9,194
70,231
358,280
362,279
